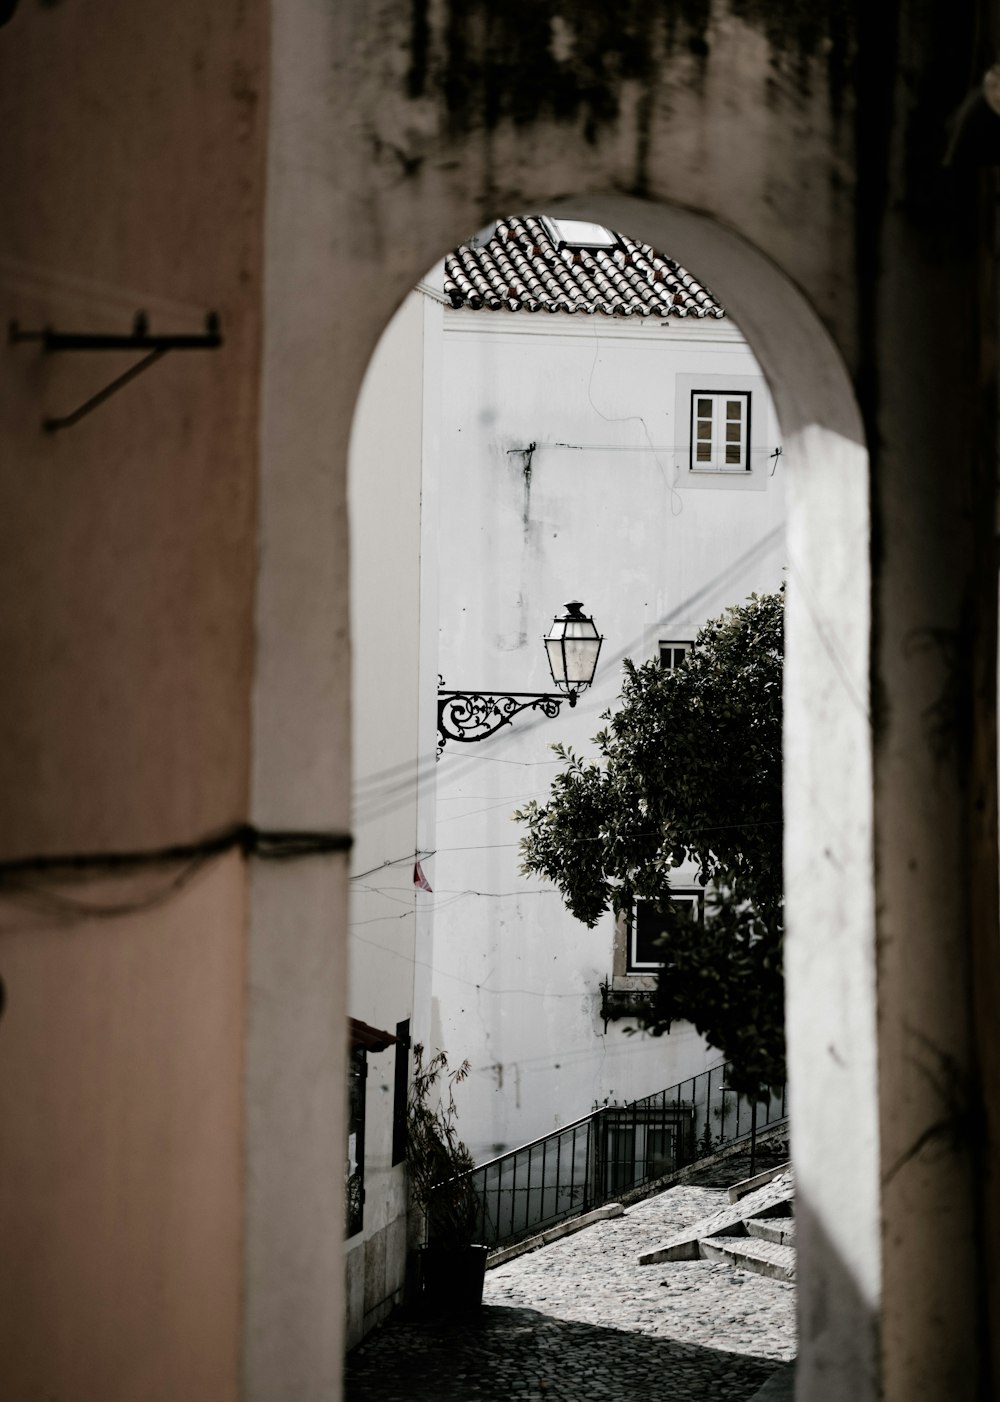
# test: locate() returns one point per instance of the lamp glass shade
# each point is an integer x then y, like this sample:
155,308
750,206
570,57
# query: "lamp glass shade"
573,645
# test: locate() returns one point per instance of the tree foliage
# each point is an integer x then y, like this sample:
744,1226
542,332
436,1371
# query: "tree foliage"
689,771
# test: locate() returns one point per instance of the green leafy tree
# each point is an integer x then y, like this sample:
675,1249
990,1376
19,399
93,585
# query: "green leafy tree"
689,771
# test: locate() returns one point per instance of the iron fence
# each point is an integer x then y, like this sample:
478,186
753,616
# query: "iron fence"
612,1151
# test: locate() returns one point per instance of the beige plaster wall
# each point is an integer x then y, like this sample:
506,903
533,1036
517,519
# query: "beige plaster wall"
314,351
121,1205
132,161
295,1136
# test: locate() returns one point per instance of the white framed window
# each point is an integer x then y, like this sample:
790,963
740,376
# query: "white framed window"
720,431
673,653
646,927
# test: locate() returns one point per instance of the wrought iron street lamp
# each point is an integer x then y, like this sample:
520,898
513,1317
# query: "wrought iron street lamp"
573,646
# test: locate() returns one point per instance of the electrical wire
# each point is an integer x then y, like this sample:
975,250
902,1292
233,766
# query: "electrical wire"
20,876
417,856
457,978
464,891
490,808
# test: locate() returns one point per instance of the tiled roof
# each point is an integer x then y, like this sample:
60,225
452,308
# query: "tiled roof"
521,267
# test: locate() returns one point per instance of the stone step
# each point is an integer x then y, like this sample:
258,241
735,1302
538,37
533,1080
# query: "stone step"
774,1197
778,1229
751,1254
750,1185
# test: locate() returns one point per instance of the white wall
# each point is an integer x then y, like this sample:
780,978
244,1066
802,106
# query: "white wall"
384,496
611,515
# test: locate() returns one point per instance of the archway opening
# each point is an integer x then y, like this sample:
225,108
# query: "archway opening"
826,687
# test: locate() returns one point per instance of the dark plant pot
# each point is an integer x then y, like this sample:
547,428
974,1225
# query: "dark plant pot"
453,1277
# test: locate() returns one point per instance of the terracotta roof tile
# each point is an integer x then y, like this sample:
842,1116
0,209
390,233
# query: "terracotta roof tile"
521,268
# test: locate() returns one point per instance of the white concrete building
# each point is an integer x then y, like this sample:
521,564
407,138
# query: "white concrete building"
566,471
557,464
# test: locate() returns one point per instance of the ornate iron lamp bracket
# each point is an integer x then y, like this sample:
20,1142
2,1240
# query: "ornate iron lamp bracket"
468,716
573,645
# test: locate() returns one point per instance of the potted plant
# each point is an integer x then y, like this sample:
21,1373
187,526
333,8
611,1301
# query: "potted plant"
452,1264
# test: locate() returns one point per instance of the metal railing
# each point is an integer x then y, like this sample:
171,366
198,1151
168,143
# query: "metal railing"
613,1151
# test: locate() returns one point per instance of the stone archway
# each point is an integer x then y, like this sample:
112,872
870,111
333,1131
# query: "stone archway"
831,939
426,155
300,165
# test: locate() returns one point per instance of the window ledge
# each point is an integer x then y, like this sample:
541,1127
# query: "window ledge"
633,983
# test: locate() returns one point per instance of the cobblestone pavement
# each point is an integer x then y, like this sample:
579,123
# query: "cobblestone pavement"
579,1321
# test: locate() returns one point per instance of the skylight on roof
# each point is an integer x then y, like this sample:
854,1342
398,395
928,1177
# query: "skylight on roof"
578,233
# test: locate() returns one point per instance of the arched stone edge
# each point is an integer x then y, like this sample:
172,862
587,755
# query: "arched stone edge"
830,961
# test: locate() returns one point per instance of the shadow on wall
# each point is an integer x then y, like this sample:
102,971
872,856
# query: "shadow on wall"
837,1325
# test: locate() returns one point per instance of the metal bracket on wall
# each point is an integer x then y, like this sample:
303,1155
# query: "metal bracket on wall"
140,339
473,715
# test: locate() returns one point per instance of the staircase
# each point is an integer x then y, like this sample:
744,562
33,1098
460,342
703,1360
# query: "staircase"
615,1153
755,1231
773,1256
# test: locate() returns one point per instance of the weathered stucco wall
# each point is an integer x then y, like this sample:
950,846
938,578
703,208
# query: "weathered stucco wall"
132,157
929,384
811,146
121,1208
820,139
135,147
462,112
